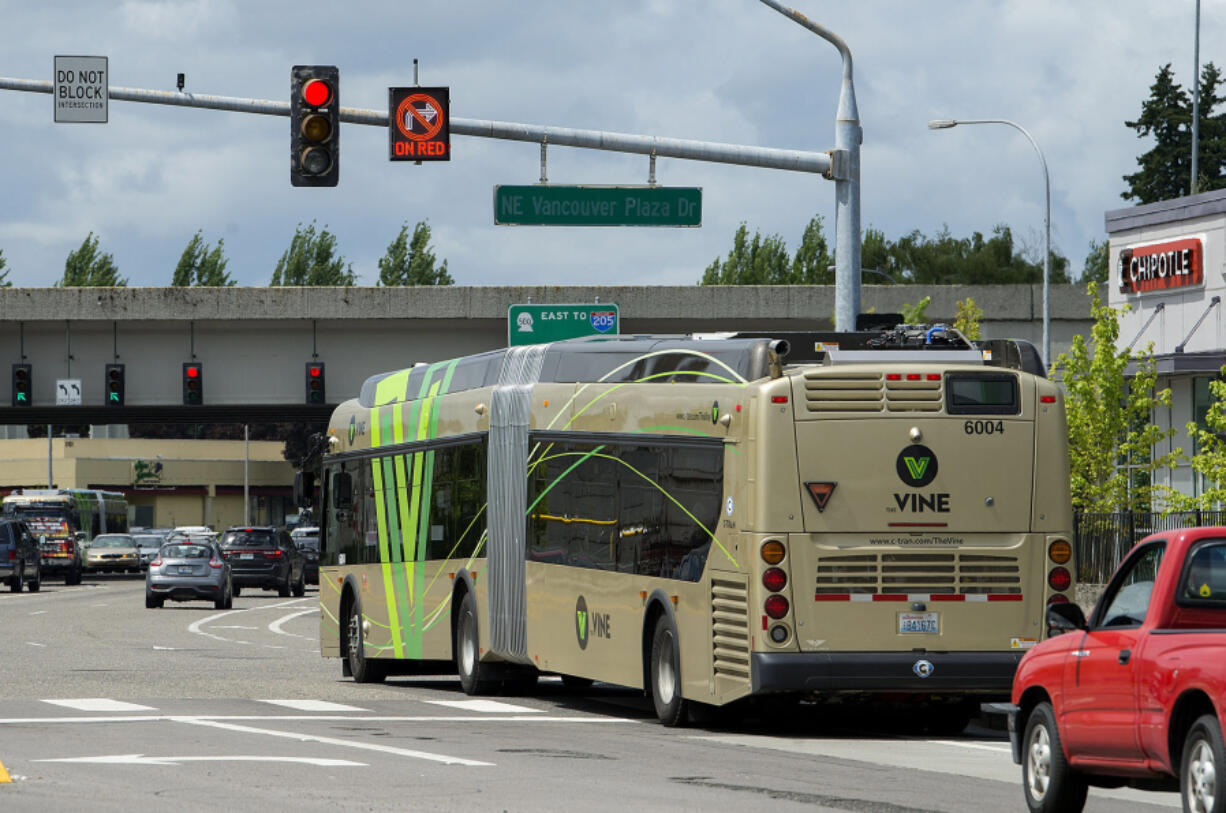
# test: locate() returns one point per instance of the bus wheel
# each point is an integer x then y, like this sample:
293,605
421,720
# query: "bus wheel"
1203,767
671,707
1050,784
363,669
473,679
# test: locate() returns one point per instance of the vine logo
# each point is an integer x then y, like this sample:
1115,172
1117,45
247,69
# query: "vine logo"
916,466
589,624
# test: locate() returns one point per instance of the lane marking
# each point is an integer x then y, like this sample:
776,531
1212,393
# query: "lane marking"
364,746
33,643
141,759
4,775
38,612
489,706
312,705
275,626
195,626
98,704
458,718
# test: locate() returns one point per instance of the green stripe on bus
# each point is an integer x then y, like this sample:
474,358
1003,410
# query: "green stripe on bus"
389,589
427,427
392,388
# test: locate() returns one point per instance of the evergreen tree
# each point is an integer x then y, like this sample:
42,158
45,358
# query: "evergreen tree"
87,267
760,262
310,260
813,260
409,261
1098,263
1165,171
199,265
4,275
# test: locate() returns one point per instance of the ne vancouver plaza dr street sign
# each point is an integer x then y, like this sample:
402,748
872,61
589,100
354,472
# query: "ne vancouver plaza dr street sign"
549,205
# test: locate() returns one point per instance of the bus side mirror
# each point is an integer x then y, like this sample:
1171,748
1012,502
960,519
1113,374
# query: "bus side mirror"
342,490
304,487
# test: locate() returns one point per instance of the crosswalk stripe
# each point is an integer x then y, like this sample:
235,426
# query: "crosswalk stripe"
98,704
492,706
313,705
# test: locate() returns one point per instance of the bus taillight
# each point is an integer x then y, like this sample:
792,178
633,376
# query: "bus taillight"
776,606
1059,579
774,579
772,551
1060,552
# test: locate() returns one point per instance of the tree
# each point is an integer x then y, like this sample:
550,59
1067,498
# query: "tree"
89,268
410,261
1098,263
916,314
812,263
1209,443
760,262
201,266
1166,117
967,319
4,275
310,260
1112,438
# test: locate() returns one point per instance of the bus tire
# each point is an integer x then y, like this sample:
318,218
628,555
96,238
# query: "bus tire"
665,673
1202,770
473,674
1048,782
363,669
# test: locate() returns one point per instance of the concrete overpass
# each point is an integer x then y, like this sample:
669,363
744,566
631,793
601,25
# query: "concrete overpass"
254,342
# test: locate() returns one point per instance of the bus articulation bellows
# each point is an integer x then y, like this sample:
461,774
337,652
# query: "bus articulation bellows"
705,518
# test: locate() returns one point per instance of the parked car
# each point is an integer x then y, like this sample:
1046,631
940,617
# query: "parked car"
20,558
148,544
1135,695
113,553
264,557
189,571
307,540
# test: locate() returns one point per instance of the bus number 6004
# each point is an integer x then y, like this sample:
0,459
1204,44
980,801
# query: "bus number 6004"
984,427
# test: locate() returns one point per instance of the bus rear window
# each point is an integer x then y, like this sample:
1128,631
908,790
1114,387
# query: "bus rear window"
981,395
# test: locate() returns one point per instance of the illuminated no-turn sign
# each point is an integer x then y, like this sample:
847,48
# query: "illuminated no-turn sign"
80,92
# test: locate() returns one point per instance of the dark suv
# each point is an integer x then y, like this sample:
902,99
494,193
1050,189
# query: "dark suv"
20,559
264,557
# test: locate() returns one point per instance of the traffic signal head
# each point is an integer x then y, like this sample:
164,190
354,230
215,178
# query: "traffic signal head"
315,120
193,383
316,393
23,385
113,385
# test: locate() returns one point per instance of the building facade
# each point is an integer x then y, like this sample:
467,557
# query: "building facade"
1168,262
167,482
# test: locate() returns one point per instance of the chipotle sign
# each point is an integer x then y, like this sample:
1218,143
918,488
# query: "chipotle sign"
1162,266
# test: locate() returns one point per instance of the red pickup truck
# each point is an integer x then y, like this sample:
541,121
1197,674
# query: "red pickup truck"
1136,694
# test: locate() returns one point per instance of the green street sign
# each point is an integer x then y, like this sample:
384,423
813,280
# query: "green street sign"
545,205
537,324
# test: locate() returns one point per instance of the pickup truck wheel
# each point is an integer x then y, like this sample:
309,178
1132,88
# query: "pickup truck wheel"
1202,771
1050,785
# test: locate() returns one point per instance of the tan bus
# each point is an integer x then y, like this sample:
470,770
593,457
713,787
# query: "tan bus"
705,518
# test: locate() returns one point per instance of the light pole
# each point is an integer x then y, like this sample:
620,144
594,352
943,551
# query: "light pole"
945,124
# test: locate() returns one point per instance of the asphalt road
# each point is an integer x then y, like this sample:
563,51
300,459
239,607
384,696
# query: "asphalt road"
105,705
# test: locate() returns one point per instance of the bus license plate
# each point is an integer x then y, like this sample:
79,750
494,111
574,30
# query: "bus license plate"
924,623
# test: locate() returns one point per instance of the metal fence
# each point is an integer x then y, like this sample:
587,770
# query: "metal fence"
1102,539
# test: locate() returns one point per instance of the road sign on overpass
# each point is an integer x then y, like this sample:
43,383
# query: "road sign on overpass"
549,205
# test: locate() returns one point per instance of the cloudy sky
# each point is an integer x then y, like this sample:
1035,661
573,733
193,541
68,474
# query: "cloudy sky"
732,71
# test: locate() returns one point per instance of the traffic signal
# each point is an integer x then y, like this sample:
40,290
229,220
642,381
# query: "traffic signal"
23,385
315,390
315,125
193,383
114,385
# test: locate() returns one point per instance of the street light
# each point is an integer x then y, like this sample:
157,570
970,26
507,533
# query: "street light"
945,124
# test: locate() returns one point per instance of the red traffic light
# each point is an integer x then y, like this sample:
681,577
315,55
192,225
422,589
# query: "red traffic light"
191,371
316,93
316,372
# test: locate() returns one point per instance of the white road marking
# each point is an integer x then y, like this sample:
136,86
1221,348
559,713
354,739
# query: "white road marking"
489,706
365,746
33,643
313,705
275,626
141,759
98,704
234,627
153,718
167,648
196,626
38,612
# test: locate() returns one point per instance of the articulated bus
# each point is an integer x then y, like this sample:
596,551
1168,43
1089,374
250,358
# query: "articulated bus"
706,518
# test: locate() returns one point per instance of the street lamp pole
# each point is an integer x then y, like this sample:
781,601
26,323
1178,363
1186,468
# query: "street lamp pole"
945,124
